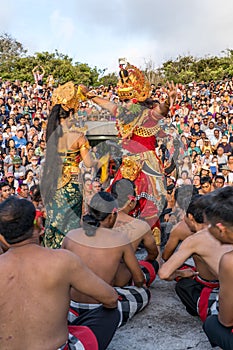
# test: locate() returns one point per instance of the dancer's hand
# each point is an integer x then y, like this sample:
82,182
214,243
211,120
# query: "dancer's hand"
172,92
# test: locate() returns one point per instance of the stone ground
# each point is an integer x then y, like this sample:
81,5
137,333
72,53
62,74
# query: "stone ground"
164,324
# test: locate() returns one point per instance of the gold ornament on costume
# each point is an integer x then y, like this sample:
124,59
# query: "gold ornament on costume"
132,83
131,167
68,95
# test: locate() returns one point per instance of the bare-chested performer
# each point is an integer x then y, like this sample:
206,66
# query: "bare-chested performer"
102,249
180,231
138,231
206,252
35,290
219,328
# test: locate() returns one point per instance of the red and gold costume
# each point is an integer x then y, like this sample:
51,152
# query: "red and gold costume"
138,127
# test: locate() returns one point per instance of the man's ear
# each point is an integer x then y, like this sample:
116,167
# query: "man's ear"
190,217
221,228
5,246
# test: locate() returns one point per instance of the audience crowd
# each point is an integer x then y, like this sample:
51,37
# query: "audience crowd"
202,116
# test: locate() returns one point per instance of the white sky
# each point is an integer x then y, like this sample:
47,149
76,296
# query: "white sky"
98,32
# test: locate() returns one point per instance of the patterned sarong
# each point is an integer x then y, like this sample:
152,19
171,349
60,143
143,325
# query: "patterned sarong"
131,300
149,269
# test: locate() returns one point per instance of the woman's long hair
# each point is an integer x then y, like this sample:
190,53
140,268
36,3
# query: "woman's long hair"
53,162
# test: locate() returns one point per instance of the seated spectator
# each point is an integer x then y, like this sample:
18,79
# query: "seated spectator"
34,166
206,146
5,191
192,147
210,131
19,138
213,164
218,181
16,167
197,182
23,191
13,183
206,185
225,145
222,158
30,179
40,150
183,179
227,174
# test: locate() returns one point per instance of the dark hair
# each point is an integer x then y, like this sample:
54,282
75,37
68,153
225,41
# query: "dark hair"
221,177
35,193
3,184
53,162
102,204
196,209
121,189
183,195
205,179
16,219
221,207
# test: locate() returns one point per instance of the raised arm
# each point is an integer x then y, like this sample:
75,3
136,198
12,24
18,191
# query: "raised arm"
102,102
171,92
34,69
43,71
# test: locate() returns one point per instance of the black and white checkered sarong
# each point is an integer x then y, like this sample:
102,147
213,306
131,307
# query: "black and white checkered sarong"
131,301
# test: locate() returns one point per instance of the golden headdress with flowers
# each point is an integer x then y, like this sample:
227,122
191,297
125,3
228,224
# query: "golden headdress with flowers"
132,83
68,95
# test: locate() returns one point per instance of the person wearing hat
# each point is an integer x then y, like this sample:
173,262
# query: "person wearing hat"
205,171
13,183
228,175
34,166
16,168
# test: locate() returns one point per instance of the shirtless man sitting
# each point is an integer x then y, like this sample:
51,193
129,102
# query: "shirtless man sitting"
219,328
137,231
102,249
35,297
180,231
206,252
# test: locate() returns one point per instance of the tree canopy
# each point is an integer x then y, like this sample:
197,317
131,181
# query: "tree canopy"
16,64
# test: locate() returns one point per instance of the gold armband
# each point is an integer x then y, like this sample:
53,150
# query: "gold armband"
85,146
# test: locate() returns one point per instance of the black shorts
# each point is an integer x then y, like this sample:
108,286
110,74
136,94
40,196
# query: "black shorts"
217,334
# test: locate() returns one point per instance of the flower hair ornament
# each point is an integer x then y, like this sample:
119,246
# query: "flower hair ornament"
68,96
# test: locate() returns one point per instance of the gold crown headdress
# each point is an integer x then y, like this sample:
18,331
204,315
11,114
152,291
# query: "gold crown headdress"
68,95
132,83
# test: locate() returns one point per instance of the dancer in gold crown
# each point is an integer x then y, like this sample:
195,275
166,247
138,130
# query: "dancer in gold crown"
138,125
